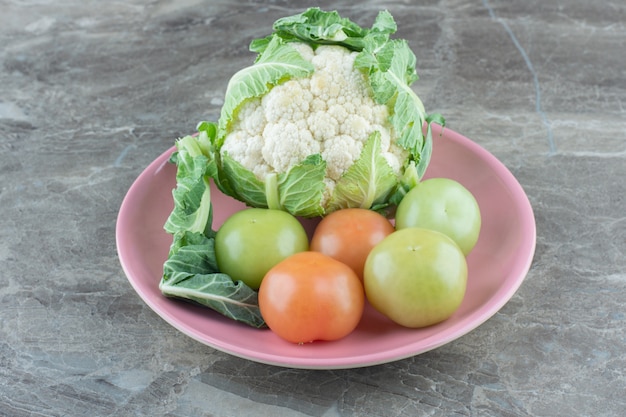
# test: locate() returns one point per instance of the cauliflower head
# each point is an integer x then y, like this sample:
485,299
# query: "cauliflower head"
331,113
324,119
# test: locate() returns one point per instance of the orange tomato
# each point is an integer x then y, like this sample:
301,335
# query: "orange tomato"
349,235
310,296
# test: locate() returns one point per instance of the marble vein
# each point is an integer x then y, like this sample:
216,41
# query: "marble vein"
538,106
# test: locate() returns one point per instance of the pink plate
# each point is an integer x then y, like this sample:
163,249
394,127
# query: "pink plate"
497,266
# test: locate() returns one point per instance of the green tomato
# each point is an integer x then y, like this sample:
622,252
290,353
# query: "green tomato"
416,277
252,241
443,205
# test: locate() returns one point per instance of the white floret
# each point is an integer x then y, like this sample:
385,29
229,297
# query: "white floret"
380,114
289,101
338,112
247,150
356,127
330,113
329,187
287,144
251,118
323,125
340,153
305,50
395,157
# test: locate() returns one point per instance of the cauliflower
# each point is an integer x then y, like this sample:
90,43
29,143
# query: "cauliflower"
331,113
324,119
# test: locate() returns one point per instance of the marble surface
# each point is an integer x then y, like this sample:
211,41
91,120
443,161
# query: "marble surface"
92,92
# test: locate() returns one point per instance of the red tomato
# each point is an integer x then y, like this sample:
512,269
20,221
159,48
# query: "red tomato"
349,235
310,296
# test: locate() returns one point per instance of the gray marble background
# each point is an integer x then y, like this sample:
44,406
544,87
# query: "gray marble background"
92,91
